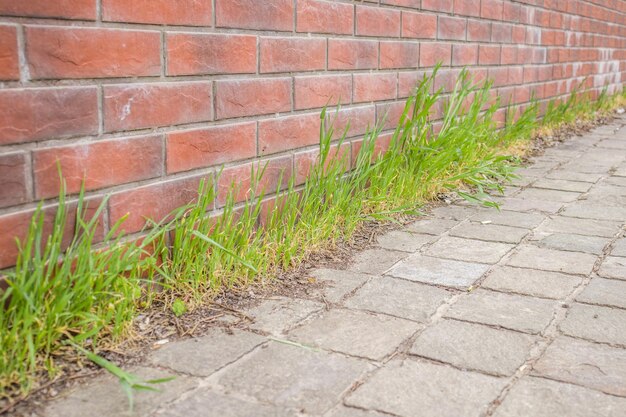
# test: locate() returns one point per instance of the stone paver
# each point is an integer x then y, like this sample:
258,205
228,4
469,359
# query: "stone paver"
548,195
602,324
609,292
562,185
468,250
552,260
338,283
376,261
343,411
454,212
403,241
522,204
587,227
516,312
531,282
595,210
509,218
278,314
432,226
619,248
573,243
474,346
613,267
439,271
562,174
490,232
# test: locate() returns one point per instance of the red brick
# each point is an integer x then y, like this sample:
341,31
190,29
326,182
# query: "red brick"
432,53
374,21
511,12
464,54
275,172
467,7
446,80
399,54
451,28
160,12
305,161
344,54
285,133
292,54
9,61
99,164
437,5
374,87
407,82
491,9
390,114
499,75
237,98
67,9
322,90
356,120
14,177
57,52
501,32
137,106
325,17
46,113
518,35
489,55
380,147
403,3
419,25
478,31
255,14
200,53
200,148
509,55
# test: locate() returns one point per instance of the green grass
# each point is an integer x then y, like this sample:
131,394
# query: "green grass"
82,297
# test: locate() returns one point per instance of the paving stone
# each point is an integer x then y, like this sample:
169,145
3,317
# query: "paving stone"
509,218
454,212
568,175
343,411
607,195
278,314
399,298
526,204
474,346
375,261
103,396
570,242
524,181
204,355
602,324
618,181
613,267
432,226
579,362
337,283
489,232
516,312
423,389
608,292
438,271
531,282
356,333
404,241
612,144
620,171
562,185
548,195
552,260
619,248
292,376
587,227
468,250
538,397
591,210
208,403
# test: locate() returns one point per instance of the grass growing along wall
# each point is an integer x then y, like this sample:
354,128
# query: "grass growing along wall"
55,300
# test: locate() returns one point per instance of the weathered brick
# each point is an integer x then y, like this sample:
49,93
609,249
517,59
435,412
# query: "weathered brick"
464,54
478,31
399,54
321,90
433,53
292,54
344,54
281,134
160,12
491,9
325,17
98,164
14,177
199,148
489,55
254,14
374,87
9,61
451,28
419,25
374,21
467,7
137,106
67,9
57,52
234,98
438,5
46,113
199,53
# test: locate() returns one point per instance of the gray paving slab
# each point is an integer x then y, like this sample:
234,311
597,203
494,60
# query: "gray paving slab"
528,256
532,282
595,210
568,175
615,180
338,283
548,195
619,248
570,242
613,267
587,227
446,272
469,250
278,314
399,240
509,218
609,195
562,185
432,226
601,324
525,205
583,363
343,411
609,292
489,232
375,261
454,212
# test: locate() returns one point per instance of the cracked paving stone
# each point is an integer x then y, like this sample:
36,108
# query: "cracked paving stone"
592,210
538,397
531,282
473,346
548,195
356,333
417,388
403,241
553,260
602,324
468,250
509,218
490,232
619,248
376,261
613,267
337,283
516,312
278,314
587,227
584,363
399,298
562,185
608,292
204,355
573,243
438,271
432,226
292,376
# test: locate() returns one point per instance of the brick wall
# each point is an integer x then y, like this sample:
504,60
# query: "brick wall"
143,98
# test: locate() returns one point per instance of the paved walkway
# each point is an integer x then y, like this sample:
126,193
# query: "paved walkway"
470,312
